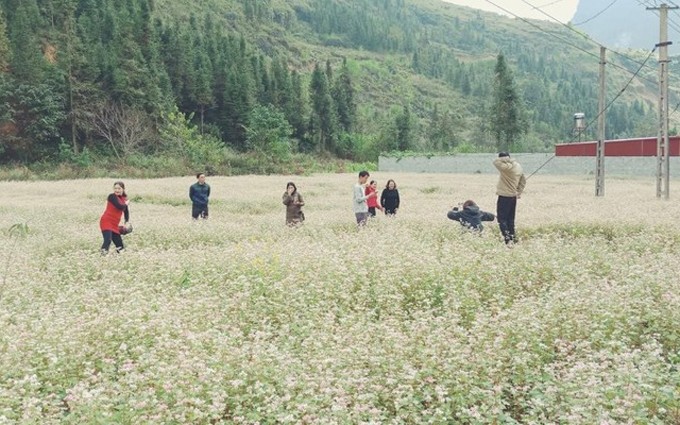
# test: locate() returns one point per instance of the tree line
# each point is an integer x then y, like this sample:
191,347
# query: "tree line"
121,77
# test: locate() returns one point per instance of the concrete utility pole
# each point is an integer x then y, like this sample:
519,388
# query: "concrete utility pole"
599,166
662,143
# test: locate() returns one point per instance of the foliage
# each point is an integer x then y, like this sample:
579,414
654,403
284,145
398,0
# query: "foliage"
5,50
180,137
331,67
37,114
269,133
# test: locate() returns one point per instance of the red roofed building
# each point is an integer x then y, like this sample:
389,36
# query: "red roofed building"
645,146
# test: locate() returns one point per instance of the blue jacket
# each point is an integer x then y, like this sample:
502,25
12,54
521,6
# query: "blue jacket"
470,217
199,194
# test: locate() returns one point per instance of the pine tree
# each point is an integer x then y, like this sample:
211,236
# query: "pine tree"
296,109
506,121
5,51
71,60
405,129
323,120
27,59
280,85
343,96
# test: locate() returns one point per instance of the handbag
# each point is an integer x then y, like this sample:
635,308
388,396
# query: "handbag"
125,229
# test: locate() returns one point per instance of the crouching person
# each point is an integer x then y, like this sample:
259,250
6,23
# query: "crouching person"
470,216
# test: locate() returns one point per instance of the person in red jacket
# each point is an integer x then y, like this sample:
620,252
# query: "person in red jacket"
373,202
116,207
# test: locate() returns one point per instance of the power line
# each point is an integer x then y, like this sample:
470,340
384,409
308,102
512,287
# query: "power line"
620,92
671,23
571,28
567,42
605,108
597,14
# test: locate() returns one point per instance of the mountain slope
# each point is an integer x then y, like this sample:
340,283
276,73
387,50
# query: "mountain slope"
420,73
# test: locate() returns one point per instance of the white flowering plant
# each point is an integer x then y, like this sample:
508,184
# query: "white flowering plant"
407,320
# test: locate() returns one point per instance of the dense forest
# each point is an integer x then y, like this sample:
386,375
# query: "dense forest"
203,81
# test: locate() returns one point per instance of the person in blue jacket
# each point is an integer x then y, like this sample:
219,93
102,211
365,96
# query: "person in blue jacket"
470,216
199,193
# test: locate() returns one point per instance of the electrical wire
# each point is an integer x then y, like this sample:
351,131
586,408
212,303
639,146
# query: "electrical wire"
571,28
597,14
619,93
573,45
605,109
543,165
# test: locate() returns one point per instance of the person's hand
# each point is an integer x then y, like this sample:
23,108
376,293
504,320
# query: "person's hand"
127,202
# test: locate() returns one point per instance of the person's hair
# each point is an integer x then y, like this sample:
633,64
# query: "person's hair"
289,184
502,154
469,203
122,185
387,186
363,173
372,181
198,175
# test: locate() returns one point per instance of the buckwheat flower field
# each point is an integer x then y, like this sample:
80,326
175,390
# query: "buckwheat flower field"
242,320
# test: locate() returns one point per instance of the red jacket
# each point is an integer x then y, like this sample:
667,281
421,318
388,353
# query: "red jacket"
115,208
372,201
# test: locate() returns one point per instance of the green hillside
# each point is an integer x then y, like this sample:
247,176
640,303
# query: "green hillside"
347,79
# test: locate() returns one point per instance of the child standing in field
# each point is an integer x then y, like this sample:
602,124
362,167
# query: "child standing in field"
470,216
116,207
373,200
294,203
389,199
359,198
199,193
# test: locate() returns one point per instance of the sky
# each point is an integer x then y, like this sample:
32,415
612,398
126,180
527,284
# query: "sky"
562,10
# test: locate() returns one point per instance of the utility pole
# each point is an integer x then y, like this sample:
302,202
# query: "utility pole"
662,143
599,165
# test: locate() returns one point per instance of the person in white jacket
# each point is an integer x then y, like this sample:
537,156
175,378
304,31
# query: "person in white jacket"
510,186
359,198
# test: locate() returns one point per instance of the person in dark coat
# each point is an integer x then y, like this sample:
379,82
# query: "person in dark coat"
470,216
389,199
199,193
293,201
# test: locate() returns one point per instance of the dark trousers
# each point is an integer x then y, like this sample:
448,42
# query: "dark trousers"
371,211
199,211
110,236
505,214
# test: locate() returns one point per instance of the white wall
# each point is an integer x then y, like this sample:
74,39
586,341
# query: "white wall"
482,163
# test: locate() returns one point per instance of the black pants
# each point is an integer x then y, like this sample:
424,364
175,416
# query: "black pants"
199,211
505,214
110,236
371,211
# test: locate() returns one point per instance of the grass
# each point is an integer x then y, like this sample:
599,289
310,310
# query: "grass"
241,319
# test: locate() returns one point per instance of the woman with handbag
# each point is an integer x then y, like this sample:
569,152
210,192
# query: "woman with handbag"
116,207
